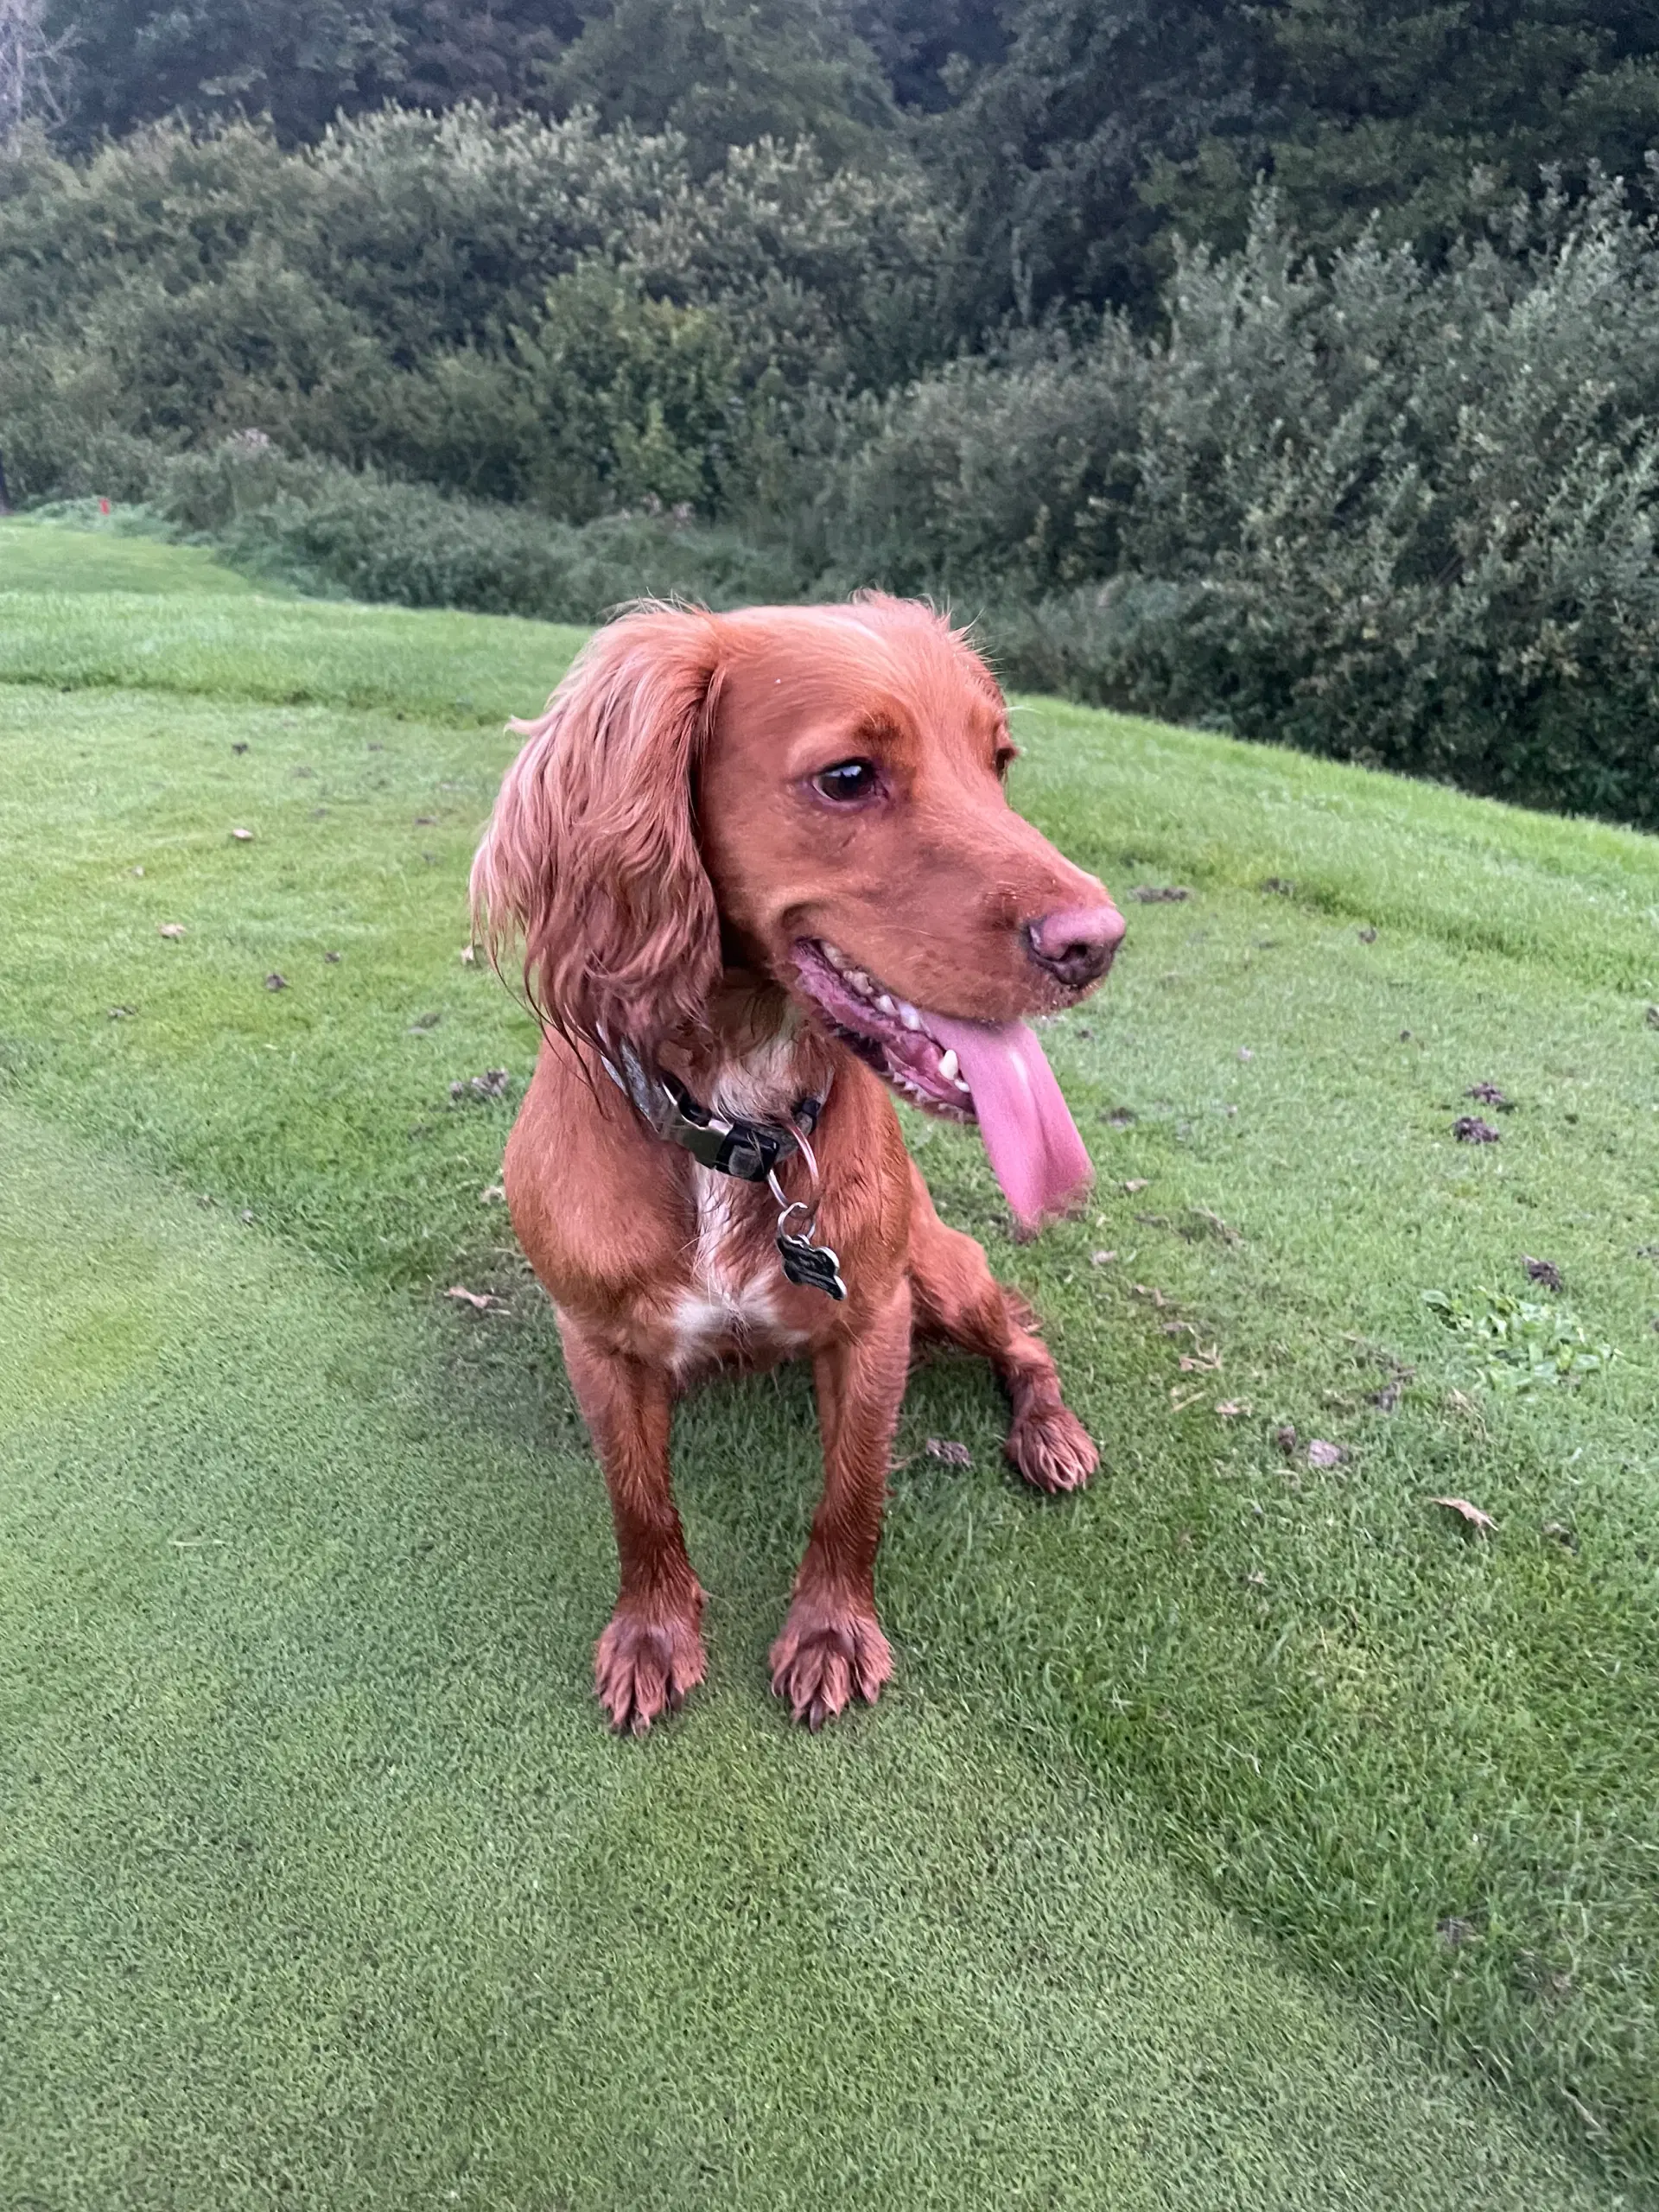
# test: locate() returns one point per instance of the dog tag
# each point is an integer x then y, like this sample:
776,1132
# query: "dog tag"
814,1266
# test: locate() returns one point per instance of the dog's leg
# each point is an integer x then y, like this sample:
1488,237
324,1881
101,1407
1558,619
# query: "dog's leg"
651,1652
958,1296
831,1645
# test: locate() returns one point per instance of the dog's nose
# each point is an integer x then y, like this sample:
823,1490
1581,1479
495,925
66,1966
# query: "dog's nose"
1076,944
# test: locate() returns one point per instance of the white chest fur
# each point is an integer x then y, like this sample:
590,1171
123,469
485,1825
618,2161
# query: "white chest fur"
731,1308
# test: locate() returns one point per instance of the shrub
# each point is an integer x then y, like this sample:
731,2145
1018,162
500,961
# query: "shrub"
1398,515
521,310
323,528
1013,474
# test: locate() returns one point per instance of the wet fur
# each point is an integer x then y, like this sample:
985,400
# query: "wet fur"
646,849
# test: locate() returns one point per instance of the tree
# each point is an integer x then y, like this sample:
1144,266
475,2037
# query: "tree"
1049,150
298,60
501,52
929,49
727,72
32,61
1429,110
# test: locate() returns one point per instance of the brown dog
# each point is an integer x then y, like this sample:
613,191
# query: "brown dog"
762,863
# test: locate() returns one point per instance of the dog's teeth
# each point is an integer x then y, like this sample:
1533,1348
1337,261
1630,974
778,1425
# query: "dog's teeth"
961,1085
837,960
949,1064
908,1016
859,981
884,1004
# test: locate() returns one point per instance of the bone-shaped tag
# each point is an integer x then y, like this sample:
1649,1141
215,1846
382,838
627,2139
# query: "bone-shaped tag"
814,1266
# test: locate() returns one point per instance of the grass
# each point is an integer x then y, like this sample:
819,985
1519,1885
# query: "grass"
1244,1834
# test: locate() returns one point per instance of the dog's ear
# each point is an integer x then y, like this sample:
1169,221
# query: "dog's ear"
592,854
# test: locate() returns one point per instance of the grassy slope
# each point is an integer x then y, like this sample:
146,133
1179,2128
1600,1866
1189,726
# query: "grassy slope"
965,1948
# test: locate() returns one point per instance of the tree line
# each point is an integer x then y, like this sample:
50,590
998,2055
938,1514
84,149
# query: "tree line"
1075,138
1284,366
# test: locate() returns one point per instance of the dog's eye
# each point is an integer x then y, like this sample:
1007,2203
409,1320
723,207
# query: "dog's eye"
847,779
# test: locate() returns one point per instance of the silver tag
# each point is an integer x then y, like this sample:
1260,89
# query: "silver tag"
814,1266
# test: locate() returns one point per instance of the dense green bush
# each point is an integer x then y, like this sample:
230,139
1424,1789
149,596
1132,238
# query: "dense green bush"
1012,473
1394,507
524,310
320,528
1401,514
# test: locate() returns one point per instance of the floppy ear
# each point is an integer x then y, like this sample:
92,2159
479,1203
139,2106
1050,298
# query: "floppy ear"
591,854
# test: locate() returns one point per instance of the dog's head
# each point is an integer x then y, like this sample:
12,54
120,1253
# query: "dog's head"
816,794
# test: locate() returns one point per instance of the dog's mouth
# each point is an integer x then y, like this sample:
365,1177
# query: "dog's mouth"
993,1073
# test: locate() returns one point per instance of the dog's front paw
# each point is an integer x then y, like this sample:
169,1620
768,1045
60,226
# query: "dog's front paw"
644,1663
829,1652
1052,1448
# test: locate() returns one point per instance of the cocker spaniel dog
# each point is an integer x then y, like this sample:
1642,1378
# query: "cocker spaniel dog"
764,871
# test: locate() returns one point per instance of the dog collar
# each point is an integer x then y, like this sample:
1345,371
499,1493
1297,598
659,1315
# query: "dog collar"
733,1145
730,1144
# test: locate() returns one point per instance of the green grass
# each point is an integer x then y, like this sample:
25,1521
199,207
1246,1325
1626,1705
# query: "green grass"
74,548
321,1880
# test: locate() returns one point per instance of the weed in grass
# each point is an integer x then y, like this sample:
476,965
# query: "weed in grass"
1522,1343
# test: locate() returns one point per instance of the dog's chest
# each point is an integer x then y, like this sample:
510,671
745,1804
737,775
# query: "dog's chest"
733,1305
731,1308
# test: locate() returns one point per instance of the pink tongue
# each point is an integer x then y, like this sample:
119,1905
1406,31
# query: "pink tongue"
1033,1141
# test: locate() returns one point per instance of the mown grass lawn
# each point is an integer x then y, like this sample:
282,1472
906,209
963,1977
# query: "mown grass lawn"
1246,1832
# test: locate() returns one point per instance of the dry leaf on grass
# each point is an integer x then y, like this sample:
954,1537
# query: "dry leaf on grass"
275,982
952,1454
1488,1094
1155,894
1368,937
492,1194
1284,1438
122,1012
1102,1259
243,836
1135,1183
171,929
1469,1129
493,1083
1482,1523
468,956
1232,1409
1466,1409
1206,1361
1543,1271
1212,1224
1322,1453
480,1301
